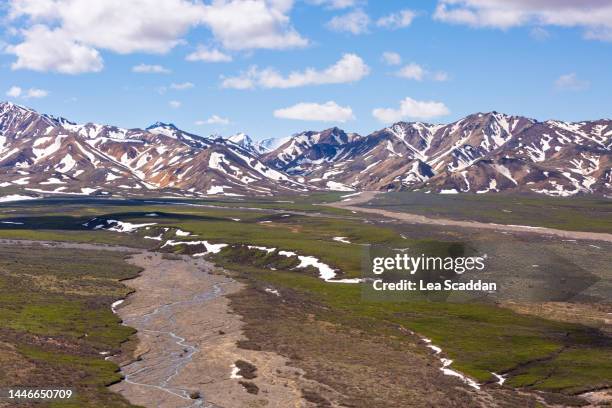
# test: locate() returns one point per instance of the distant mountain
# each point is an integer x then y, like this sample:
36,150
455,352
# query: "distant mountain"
484,152
257,147
481,153
43,154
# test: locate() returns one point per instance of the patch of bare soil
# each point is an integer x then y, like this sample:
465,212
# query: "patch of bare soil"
187,353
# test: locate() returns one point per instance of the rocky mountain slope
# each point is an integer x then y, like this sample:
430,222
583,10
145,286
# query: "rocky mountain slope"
44,154
481,153
485,152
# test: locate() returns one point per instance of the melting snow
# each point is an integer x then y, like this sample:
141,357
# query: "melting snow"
235,370
180,233
272,291
212,248
262,248
333,185
325,271
15,197
500,379
115,304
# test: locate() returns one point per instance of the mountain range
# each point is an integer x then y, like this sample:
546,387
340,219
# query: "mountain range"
481,153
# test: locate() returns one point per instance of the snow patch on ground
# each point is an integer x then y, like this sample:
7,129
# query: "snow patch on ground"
212,248
180,233
115,304
325,271
262,248
272,291
446,364
16,197
234,374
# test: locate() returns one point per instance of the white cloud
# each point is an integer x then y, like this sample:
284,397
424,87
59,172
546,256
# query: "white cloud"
250,24
18,92
327,112
397,20
121,26
594,16
66,35
44,49
181,86
571,82
356,22
213,120
412,71
150,69
349,68
246,80
391,58
335,4
439,76
208,55
35,93
411,108
14,92
418,73
175,104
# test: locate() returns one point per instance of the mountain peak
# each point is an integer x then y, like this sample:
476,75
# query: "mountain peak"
241,139
158,124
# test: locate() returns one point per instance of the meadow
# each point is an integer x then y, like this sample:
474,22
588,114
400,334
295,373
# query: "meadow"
479,335
566,213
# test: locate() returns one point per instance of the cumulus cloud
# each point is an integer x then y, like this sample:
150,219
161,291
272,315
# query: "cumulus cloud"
45,49
250,24
67,35
391,58
349,68
327,112
356,22
412,71
594,16
401,19
213,120
175,104
417,73
208,55
18,92
571,82
150,69
411,109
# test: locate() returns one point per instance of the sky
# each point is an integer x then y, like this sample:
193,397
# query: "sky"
272,68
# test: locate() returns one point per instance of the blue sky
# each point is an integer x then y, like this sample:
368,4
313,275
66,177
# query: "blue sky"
446,59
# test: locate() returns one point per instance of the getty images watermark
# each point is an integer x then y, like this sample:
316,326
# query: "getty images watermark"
405,274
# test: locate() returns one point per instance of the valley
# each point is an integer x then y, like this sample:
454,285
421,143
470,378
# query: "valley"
294,313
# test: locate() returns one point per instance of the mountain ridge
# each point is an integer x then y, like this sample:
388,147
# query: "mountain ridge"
480,153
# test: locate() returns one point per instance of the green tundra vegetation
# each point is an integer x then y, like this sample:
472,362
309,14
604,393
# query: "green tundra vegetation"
56,324
480,336
567,213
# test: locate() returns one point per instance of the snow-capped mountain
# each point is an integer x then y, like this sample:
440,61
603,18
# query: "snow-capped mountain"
484,152
481,153
257,147
47,155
